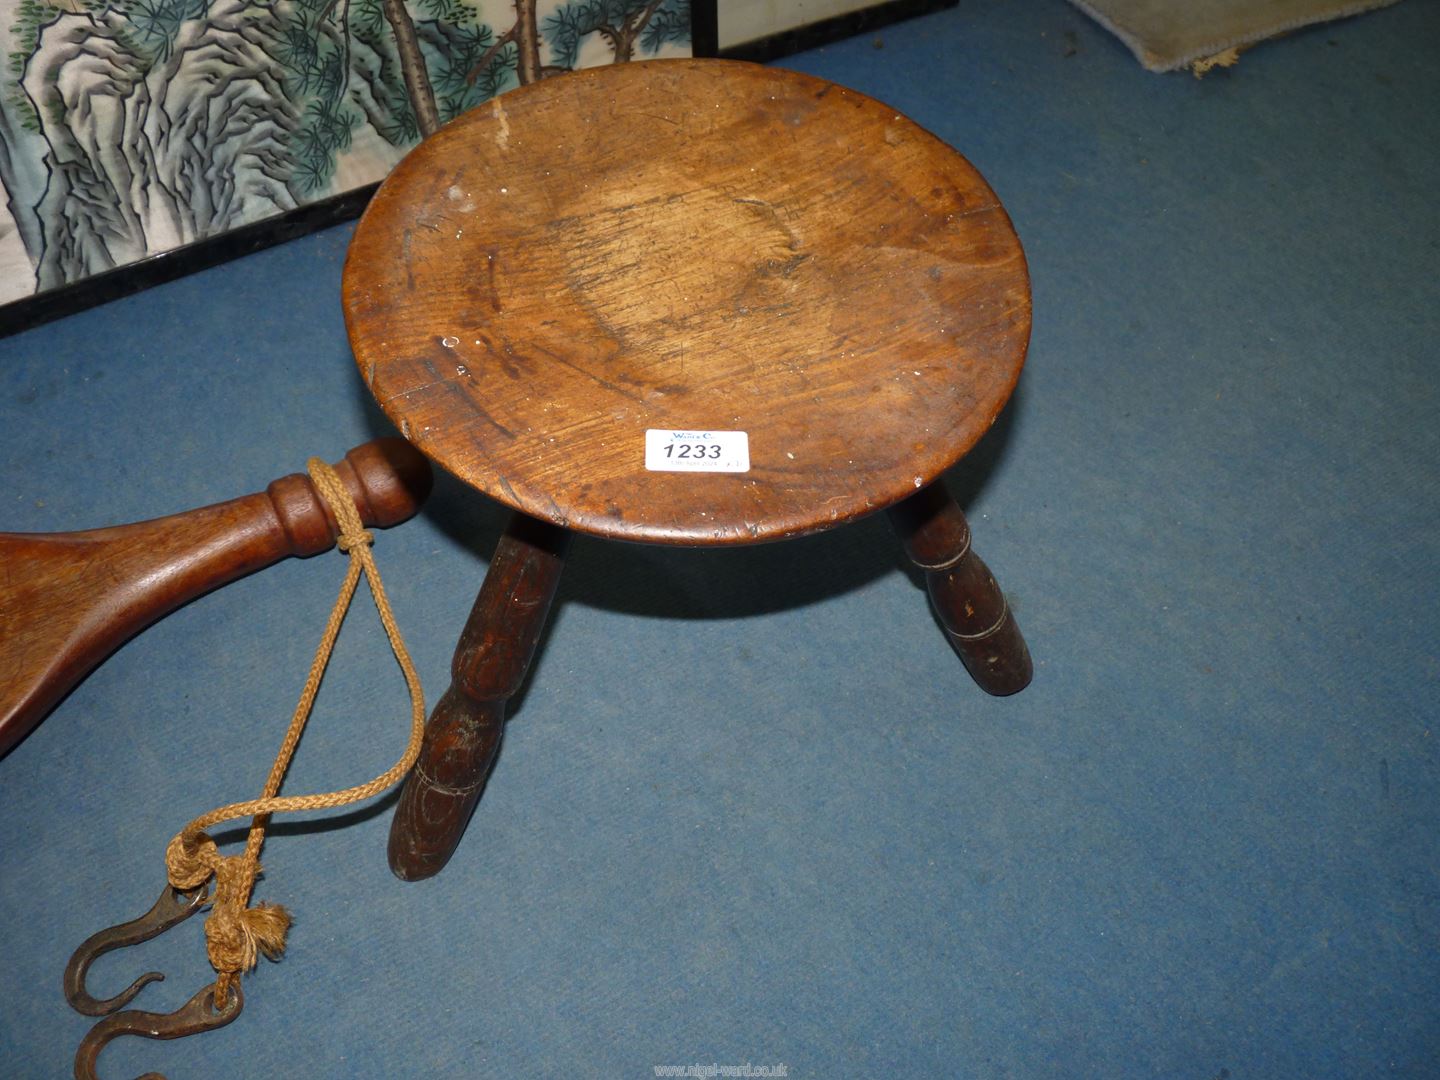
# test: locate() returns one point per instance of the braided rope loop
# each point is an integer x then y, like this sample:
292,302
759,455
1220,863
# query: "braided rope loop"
236,933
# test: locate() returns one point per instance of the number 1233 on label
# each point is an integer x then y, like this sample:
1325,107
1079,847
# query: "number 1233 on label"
696,451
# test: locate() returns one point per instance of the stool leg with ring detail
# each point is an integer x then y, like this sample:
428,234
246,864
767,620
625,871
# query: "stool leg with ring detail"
977,620
462,737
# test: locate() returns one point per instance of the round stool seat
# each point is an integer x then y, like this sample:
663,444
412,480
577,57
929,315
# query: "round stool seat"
693,246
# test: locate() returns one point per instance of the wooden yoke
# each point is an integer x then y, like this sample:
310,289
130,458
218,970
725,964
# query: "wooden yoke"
67,600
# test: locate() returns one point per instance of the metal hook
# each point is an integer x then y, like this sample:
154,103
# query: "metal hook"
174,906
196,1015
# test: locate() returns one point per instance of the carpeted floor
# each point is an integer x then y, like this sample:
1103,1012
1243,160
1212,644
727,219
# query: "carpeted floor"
750,808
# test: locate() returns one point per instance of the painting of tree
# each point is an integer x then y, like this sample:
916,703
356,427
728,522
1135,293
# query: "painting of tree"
131,128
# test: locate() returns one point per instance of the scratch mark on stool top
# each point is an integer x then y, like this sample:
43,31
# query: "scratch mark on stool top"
502,135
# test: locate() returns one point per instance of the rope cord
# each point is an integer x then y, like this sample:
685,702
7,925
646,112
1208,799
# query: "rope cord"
235,933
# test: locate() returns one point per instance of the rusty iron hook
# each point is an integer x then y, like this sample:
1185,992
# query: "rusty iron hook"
174,906
196,1015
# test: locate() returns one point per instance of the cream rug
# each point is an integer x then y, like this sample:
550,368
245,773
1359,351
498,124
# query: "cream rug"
1169,34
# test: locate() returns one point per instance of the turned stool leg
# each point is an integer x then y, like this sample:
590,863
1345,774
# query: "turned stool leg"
971,607
463,734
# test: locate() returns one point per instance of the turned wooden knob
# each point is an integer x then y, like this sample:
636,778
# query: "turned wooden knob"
67,600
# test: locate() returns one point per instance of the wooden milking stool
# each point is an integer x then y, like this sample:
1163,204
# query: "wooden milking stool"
683,302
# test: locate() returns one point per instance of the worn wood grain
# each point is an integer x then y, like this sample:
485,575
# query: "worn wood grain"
67,600
688,244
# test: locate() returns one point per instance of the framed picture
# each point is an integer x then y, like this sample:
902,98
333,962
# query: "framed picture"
142,139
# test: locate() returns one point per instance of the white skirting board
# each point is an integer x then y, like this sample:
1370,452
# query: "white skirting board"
747,20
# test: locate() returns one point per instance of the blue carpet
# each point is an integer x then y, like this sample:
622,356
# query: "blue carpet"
750,808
